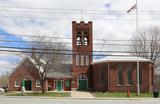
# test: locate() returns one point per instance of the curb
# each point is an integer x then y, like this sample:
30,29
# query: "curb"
71,98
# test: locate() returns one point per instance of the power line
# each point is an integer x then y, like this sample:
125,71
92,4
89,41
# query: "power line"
70,19
34,36
25,41
58,9
67,50
56,37
68,53
103,44
72,11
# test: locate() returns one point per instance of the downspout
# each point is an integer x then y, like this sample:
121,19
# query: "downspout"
108,78
138,86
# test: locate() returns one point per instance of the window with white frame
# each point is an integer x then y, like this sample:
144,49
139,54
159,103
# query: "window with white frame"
87,60
38,83
16,84
82,60
77,60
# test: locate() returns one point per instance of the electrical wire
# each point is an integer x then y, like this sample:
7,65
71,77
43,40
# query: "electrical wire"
68,53
67,50
56,37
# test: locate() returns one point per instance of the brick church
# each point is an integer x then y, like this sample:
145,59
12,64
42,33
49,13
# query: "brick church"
109,74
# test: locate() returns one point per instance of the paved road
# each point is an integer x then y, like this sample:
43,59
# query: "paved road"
5,100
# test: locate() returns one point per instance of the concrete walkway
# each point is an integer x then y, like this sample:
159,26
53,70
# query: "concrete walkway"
81,94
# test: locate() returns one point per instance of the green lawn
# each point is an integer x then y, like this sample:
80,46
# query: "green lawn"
134,95
47,94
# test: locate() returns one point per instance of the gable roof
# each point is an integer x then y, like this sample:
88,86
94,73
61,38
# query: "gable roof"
121,59
63,70
36,64
60,71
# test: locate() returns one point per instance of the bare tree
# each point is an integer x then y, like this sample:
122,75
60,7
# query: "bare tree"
147,43
4,79
46,55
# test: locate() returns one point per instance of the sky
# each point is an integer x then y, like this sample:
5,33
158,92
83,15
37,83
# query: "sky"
54,18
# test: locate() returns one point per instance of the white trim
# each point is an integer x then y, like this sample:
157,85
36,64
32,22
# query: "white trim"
16,83
62,85
120,59
37,83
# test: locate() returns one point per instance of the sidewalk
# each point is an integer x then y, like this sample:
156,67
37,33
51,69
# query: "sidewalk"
80,94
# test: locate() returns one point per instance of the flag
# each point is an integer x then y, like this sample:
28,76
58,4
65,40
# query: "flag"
132,8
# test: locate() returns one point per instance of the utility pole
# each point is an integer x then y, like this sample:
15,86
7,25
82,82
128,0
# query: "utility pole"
138,87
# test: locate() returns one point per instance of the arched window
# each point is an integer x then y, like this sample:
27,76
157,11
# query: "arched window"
85,41
82,59
85,38
85,33
82,77
87,60
78,38
129,74
120,74
77,59
140,75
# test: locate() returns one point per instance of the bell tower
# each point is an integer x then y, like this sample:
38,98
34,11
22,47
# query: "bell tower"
82,53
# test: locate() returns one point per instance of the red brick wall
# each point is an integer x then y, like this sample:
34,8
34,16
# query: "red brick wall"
147,77
77,70
24,70
97,86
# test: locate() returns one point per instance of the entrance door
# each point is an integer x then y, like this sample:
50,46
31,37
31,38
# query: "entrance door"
59,85
28,85
82,83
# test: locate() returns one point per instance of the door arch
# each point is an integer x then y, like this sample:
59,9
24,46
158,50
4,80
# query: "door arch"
82,82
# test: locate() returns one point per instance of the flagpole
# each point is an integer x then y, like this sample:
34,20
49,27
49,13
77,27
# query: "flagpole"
138,87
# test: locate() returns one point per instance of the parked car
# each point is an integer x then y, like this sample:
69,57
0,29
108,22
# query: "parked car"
2,90
5,89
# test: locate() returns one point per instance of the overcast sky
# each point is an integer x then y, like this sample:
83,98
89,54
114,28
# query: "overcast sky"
54,18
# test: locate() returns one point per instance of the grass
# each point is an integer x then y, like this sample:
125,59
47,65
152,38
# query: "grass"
47,94
122,95
1,93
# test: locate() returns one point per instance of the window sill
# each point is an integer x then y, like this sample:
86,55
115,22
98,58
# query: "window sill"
129,85
16,86
119,85
38,86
